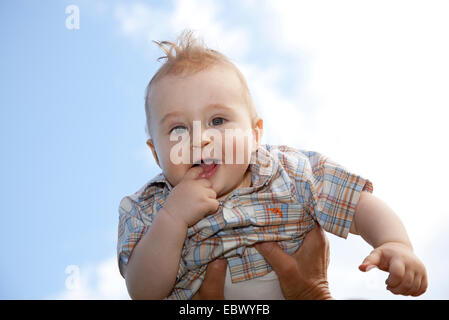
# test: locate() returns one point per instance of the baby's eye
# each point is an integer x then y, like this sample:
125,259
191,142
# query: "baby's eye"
217,121
178,129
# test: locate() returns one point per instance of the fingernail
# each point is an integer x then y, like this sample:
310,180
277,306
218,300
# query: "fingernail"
369,268
366,268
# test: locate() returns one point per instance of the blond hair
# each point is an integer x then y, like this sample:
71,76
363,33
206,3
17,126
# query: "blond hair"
191,56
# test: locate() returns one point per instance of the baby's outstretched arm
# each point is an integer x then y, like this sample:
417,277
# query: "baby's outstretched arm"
380,227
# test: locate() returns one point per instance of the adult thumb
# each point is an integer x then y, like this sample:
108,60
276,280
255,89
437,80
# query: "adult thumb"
275,256
212,287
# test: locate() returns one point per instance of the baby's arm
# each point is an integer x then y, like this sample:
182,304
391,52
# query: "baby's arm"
380,227
153,265
154,262
377,223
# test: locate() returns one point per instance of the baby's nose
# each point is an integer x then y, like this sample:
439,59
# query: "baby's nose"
201,142
205,145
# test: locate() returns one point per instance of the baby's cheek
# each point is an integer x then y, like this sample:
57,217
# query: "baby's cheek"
242,149
178,153
174,177
173,172
235,146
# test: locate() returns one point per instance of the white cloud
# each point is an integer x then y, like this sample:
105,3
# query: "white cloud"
380,73
98,281
143,23
272,106
204,17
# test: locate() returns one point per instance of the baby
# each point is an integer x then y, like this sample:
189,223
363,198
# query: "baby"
221,191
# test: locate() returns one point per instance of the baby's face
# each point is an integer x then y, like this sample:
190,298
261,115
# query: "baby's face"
213,98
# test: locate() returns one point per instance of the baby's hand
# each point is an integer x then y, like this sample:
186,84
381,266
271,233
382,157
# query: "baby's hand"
407,273
192,198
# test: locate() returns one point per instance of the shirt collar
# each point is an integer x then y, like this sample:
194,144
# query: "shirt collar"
262,166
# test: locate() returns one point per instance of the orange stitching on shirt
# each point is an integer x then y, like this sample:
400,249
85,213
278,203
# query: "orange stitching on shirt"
275,211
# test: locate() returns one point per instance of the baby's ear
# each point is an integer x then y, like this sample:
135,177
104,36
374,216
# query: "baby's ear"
153,150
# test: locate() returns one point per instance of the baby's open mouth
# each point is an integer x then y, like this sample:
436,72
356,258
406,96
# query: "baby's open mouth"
209,166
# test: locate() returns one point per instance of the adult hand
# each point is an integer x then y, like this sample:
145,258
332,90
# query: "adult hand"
303,275
212,287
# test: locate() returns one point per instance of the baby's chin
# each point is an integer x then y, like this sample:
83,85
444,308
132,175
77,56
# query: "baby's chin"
223,192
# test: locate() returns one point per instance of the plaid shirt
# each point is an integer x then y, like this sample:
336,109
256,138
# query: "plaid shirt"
291,190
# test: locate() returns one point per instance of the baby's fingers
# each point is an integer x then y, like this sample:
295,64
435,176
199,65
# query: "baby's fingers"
212,205
373,260
397,272
405,285
415,287
422,288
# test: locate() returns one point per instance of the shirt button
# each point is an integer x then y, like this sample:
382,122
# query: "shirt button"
228,204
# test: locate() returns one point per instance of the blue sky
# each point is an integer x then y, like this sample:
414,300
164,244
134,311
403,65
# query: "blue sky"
373,96
71,114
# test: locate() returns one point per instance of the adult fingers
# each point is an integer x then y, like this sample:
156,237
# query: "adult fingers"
314,243
280,261
214,281
212,287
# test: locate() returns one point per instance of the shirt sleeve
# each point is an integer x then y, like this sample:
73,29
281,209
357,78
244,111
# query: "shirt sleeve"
130,230
332,193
